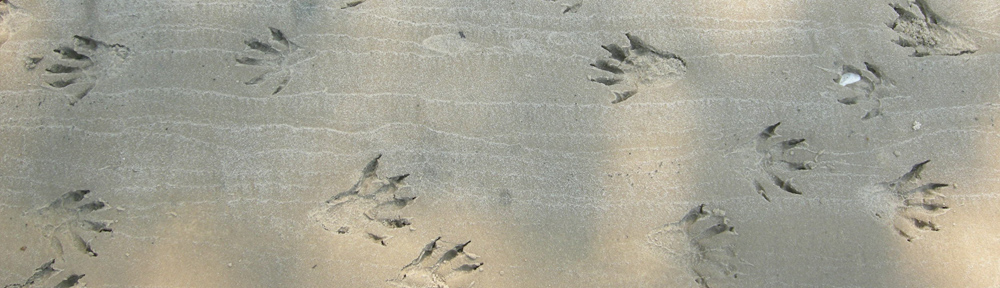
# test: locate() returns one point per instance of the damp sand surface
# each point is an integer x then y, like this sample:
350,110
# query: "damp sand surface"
527,143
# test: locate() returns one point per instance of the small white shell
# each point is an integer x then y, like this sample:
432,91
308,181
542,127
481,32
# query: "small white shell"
848,78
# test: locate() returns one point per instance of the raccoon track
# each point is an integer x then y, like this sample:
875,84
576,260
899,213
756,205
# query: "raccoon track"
370,208
704,241
908,204
65,221
70,69
277,55
779,155
924,31
638,67
869,89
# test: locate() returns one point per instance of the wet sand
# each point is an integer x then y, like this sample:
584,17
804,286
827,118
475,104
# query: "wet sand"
310,143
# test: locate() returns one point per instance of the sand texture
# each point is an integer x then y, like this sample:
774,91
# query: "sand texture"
524,143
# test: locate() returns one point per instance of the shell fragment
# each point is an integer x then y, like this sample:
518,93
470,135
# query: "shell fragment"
848,78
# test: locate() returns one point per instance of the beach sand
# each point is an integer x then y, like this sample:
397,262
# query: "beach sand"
525,143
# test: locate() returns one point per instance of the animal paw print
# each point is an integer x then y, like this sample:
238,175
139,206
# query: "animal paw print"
440,264
867,85
67,72
704,241
919,28
910,203
782,155
276,55
43,273
638,67
69,69
371,207
66,221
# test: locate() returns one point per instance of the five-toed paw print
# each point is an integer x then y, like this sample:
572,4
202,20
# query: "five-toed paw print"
779,156
702,240
72,69
926,33
66,221
67,71
370,208
278,56
637,67
909,203
867,87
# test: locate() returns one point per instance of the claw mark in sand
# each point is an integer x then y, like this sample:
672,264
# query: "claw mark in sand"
925,31
277,56
352,4
70,69
704,241
572,8
64,222
907,204
43,273
638,67
439,264
569,8
370,208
